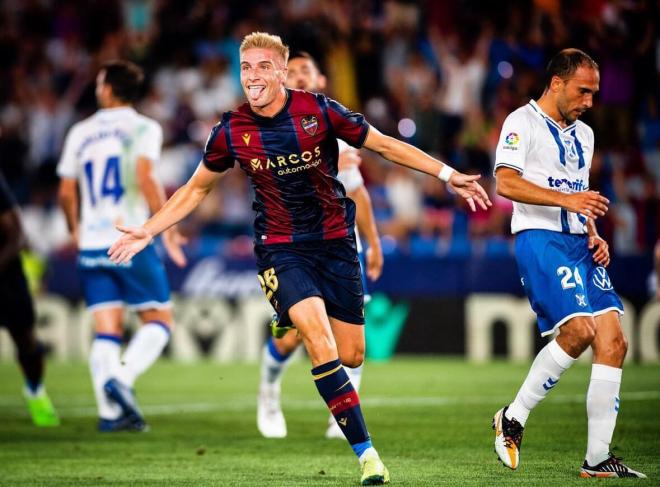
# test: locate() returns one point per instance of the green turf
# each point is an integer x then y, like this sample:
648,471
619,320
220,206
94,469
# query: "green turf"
430,420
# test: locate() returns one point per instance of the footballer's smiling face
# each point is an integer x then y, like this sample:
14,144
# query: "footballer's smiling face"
575,94
263,74
303,74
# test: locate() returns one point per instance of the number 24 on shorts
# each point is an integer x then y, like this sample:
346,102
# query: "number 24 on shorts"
567,275
268,281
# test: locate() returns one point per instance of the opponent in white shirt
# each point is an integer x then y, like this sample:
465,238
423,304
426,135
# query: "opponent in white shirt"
303,73
108,159
542,164
550,156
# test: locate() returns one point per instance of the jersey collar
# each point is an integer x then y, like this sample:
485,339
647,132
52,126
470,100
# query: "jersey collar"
283,110
111,113
538,110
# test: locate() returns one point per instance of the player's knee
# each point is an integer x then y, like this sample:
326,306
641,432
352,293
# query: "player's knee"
352,358
587,333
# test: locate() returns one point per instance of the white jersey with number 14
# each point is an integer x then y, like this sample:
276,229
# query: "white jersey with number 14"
101,152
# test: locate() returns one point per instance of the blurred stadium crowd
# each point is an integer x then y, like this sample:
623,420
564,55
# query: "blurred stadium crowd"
442,75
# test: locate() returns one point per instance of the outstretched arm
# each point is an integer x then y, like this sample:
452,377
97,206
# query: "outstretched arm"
154,194
180,205
407,155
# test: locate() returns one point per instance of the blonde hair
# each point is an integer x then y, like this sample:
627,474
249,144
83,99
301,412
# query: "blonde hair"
263,40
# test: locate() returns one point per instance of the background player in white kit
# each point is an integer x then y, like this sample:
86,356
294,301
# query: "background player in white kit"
542,164
304,74
108,162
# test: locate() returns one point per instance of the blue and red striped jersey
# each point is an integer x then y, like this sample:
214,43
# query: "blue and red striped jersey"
291,160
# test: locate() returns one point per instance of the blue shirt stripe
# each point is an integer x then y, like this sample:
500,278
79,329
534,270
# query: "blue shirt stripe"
555,134
565,227
578,147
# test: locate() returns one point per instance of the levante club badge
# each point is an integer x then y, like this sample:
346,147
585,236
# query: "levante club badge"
310,124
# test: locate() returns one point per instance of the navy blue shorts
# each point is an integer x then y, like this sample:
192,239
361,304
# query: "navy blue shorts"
330,269
16,308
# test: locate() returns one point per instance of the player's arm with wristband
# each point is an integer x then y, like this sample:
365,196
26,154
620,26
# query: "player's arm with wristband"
407,155
180,205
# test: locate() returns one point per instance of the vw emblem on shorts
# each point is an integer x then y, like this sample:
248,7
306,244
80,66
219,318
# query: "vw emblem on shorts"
601,279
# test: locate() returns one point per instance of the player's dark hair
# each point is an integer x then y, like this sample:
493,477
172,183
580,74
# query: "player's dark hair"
305,55
566,62
125,78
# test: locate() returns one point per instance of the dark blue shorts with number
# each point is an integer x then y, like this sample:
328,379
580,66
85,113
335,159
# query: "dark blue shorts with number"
330,269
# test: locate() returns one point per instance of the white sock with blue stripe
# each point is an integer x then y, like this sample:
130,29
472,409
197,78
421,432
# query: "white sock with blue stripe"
544,374
143,350
602,410
104,364
273,364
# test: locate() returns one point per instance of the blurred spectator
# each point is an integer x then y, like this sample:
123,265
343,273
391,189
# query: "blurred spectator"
455,69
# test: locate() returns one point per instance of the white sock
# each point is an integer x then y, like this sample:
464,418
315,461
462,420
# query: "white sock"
143,350
602,410
273,365
103,364
548,366
355,375
368,453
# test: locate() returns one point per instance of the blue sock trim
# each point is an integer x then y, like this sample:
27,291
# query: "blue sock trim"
112,338
326,367
359,448
274,353
162,324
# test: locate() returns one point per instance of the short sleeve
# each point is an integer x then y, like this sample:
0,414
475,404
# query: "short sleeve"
217,157
346,125
149,141
513,143
67,167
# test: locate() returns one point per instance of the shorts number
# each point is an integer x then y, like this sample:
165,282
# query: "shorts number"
567,275
268,282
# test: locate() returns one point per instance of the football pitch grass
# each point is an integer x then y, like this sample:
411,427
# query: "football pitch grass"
430,419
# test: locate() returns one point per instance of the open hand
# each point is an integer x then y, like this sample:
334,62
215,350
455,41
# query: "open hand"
133,241
468,188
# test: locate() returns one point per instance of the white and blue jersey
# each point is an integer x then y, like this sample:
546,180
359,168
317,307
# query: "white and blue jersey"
556,268
101,153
